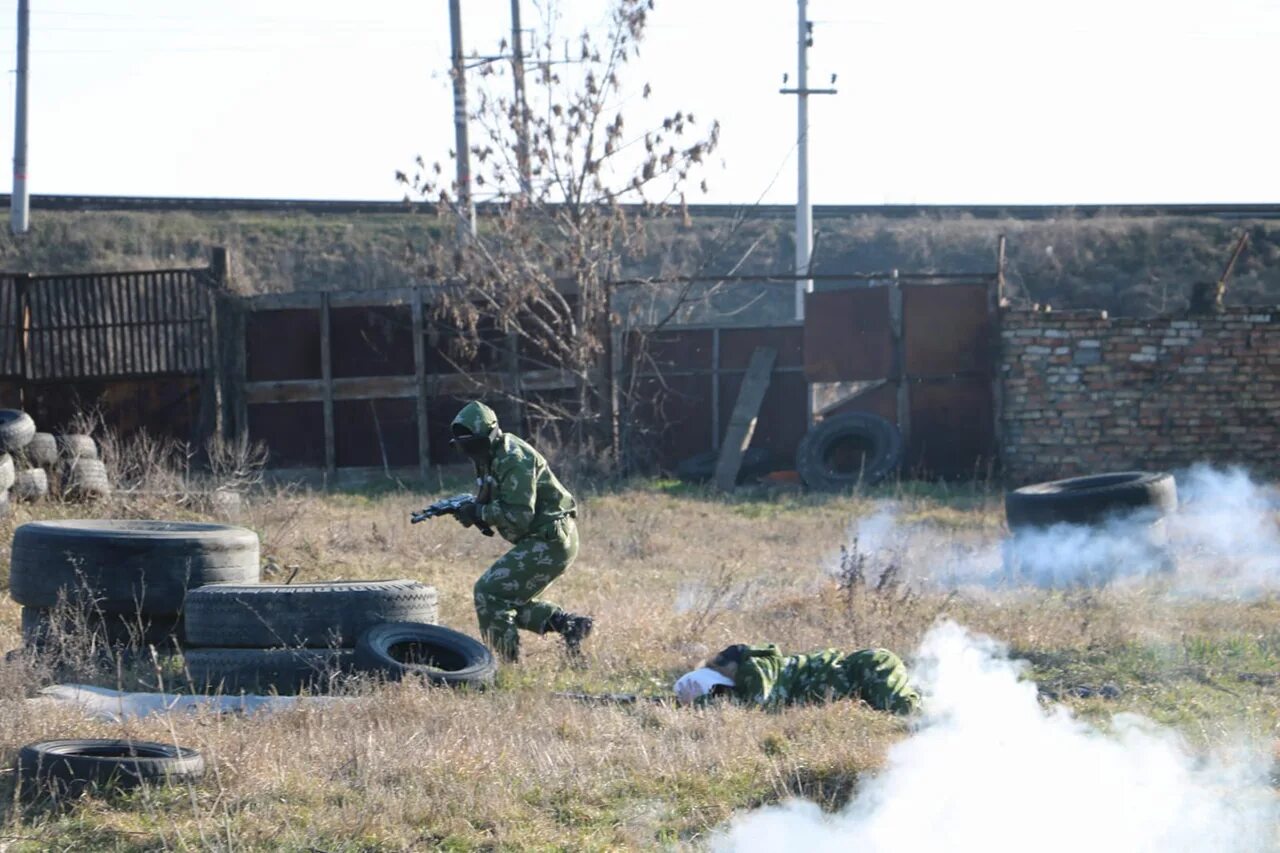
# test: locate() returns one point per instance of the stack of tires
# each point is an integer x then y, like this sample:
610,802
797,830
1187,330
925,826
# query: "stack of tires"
285,638
1090,529
33,463
122,581
82,475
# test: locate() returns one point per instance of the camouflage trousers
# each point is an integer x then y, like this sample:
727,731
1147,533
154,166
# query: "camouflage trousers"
505,594
876,676
879,678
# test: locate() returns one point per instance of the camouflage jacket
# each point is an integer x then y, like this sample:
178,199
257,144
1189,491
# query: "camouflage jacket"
517,493
876,676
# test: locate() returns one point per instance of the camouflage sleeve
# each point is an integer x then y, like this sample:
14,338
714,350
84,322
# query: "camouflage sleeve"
513,504
757,675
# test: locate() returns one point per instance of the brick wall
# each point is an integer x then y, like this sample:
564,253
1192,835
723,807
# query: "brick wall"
1084,393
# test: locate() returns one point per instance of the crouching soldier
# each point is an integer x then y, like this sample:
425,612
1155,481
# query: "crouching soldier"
762,675
518,496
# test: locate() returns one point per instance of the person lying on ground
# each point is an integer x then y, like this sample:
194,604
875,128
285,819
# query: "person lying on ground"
762,675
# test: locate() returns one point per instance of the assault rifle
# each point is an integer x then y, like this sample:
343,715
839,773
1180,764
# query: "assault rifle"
449,506
616,698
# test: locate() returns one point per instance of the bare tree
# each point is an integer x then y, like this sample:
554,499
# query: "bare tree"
531,289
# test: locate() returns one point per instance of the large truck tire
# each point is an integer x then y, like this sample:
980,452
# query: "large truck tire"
70,767
438,654
16,430
313,615
265,671
847,450
1091,500
126,566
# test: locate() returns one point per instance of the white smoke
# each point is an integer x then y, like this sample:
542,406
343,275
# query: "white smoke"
1223,540
989,769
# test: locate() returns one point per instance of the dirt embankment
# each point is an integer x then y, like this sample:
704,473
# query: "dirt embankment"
1126,265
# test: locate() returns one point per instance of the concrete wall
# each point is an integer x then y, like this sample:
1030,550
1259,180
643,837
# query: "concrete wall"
1084,393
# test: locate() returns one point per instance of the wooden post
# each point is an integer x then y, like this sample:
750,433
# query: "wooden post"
995,306
420,383
898,329
715,389
21,284
1000,246
234,357
742,423
326,375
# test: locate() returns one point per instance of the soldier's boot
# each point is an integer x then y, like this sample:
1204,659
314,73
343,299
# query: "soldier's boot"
573,628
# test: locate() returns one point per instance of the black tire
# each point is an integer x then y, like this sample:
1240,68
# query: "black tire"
756,462
117,630
849,449
42,451
438,654
127,566
1090,500
70,767
31,485
16,430
8,472
312,615
283,671
74,446
85,480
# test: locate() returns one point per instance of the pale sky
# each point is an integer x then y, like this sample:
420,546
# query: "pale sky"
940,101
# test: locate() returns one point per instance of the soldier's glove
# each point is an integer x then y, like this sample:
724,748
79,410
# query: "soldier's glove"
468,514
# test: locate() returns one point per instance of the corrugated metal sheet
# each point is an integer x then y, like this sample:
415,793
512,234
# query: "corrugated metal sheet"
952,431
371,433
293,433
107,325
283,344
847,335
371,341
947,329
736,346
10,339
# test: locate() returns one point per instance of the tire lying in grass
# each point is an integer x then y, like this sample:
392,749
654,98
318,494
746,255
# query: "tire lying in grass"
282,671
441,655
8,473
849,449
42,630
75,446
756,462
85,480
16,430
1091,500
312,615
42,451
31,485
126,566
69,767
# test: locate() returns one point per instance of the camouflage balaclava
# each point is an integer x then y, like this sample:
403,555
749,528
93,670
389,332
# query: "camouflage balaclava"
475,429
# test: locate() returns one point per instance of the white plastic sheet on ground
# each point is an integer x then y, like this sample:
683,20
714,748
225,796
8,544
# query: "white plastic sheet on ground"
118,706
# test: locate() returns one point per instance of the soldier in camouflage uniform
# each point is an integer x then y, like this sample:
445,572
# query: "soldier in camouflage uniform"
518,496
762,675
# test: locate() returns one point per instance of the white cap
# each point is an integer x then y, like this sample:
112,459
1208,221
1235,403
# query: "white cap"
691,685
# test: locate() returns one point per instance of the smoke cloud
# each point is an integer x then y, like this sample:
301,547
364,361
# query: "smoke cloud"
1223,540
990,769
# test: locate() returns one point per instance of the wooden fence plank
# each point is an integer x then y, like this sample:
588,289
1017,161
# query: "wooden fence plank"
742,423
326,373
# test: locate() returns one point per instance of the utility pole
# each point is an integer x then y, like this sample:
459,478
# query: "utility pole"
19,204
804,210
466,209
522,117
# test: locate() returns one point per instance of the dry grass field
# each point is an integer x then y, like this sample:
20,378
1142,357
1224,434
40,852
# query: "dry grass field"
670,573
